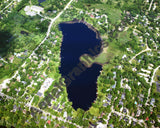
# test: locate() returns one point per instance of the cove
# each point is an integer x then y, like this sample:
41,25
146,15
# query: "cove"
79,38
40,1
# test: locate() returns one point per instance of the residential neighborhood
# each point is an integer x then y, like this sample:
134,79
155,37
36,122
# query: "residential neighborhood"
33,92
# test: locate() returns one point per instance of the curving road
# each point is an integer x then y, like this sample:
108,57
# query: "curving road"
150,5
152,80
147,49
47,35
7,6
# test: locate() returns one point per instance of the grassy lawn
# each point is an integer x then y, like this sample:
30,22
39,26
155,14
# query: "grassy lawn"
108,53
2,79
94,111
36,100
105,56
123,37
157,74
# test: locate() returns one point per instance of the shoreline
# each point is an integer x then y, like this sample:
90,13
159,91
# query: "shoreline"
87,24
97,36
97,54
88,66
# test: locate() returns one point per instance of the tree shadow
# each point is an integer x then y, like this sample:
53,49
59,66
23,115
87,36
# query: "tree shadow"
5,42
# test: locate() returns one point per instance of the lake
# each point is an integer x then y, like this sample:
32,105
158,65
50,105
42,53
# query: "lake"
40,1
78,39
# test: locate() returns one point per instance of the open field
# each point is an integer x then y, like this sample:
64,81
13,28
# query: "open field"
107,54
114,15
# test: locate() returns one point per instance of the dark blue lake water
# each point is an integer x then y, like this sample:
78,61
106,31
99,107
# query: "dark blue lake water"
81,81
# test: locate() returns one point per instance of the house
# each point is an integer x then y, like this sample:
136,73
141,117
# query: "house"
135,33
135,102
60,110
21,57
125,119
134,123
124,56
33,10
8,89
92,16
105,104
147,119
134,69
141,99
109,96
18,78
111,126
65,114
145,71
124,110
121,102
81,12
47,83
115,115
39,94
114,86
37,9
138,112
123,96
14,107
11,59
49,122
98,17
44,117
49,104
120,28
69,118
108,90
55,107
152,101
54,11
30,77
143,45
114,75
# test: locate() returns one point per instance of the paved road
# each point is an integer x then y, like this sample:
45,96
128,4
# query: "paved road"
47,35
150,5
8,97
152,80
147,49
130,117
4,83
7,6
54,117
108,117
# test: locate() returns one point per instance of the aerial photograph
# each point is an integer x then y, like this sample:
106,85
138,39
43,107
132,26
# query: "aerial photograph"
79,63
